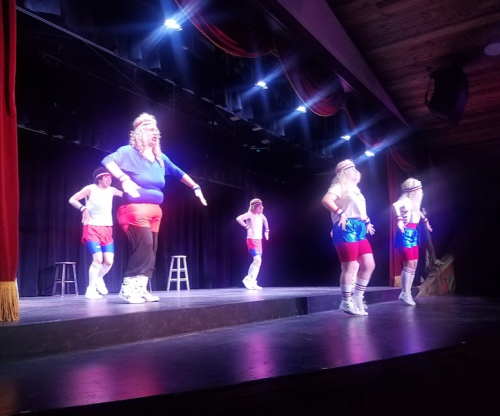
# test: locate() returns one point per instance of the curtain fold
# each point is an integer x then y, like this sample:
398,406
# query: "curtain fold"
9,188
312,79
241,29
237,27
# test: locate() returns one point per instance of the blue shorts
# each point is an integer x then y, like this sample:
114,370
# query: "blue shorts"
355,230
95,247
408,239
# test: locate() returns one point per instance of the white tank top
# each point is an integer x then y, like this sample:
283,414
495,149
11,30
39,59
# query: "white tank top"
256,224
409,212
100,204
353,203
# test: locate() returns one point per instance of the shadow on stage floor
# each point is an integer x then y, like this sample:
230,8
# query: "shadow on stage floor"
230,351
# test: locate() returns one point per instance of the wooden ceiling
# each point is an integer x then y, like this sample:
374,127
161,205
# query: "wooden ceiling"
402,40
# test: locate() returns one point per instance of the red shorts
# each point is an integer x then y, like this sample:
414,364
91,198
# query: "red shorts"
407,253
254,247
140,215
97,233
352,251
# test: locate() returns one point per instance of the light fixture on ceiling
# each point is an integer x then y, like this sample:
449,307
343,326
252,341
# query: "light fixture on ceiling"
368,153
345,137
261,84
493,49
301,109
172,24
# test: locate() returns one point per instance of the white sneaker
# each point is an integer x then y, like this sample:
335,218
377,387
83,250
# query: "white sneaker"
407,298
248,283
149,297
128,292
360,305
255,286
101,286
348,307
92,293
142,289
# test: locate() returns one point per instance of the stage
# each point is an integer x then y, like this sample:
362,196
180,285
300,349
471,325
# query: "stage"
222,351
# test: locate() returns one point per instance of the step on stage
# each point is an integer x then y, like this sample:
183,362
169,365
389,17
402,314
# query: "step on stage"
227,351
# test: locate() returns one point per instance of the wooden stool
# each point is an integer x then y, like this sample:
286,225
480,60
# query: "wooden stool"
180,267
62,276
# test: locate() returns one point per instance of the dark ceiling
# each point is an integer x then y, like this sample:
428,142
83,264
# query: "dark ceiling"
401,41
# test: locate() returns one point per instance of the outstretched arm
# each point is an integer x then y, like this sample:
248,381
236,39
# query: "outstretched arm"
186,180
75,202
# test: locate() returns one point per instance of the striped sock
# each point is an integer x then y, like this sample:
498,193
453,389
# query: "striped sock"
346,291
360,287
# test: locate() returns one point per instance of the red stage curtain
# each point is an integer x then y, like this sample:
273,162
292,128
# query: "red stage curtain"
237,27
9,181
312,79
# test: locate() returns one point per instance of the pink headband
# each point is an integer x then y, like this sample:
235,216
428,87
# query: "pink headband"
348,164
102,174
147,122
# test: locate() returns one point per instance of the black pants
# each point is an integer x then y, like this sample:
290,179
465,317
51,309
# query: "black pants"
143,244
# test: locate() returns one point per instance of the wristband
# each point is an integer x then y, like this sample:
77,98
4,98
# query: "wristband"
196,187
247,227
124,178
425,219
266,231
82,208
367,220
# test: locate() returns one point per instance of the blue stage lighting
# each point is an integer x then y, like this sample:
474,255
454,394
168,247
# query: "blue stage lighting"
369,154
172,24
301,109
261,84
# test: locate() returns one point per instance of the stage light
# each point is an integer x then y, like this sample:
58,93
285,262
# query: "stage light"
301,109
369,154
172,24
261,84
345,137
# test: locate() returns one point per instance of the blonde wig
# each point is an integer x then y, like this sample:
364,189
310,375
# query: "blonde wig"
410,189
137,136
253,204
340,176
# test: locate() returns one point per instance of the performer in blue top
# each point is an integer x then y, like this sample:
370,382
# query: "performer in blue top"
141,168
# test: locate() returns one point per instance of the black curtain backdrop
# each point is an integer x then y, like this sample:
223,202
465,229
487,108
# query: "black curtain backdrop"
50,229
299,252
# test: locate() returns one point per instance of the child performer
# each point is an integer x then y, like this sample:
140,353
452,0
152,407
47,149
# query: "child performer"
350,224
253,221
97,228
407,210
